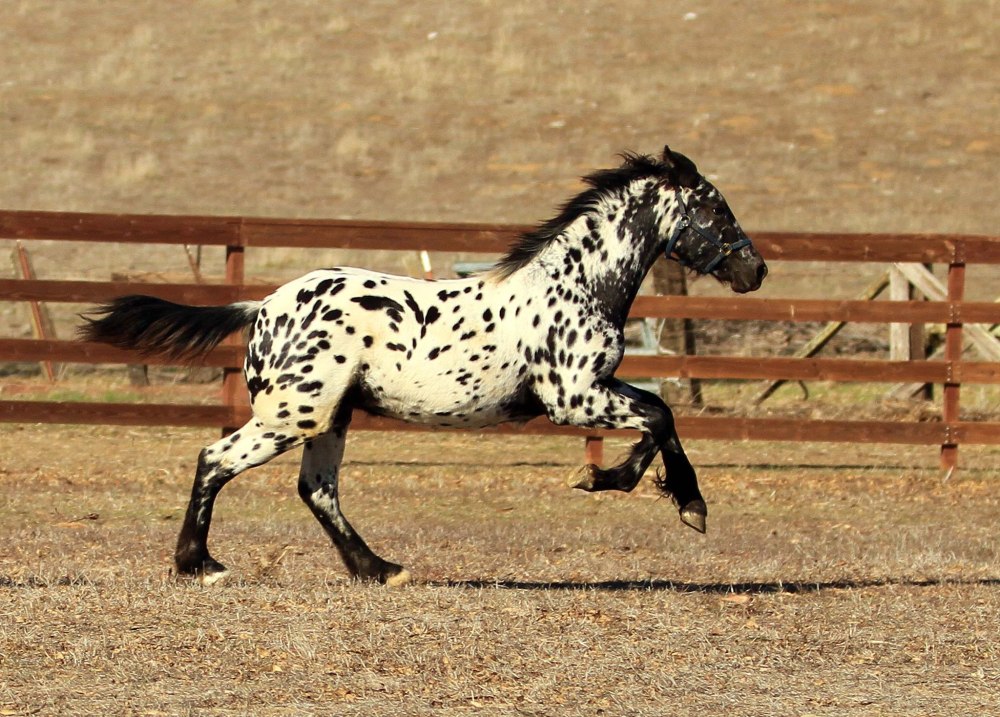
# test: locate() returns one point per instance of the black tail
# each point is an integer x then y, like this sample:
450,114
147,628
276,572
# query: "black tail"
154,326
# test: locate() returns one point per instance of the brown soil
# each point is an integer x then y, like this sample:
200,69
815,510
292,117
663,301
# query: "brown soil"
826,584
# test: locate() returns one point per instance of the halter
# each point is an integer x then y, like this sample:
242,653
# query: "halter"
725,248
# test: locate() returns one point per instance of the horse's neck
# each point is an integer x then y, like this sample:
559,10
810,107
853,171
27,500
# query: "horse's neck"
614,246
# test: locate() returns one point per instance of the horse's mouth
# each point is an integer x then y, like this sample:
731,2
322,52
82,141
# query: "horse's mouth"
745,288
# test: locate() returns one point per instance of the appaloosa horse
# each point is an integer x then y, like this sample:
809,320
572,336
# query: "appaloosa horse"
539,334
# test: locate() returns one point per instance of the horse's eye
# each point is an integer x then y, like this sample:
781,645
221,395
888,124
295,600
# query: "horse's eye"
718,211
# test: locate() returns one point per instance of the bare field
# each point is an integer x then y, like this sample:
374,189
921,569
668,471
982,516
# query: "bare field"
821,588
843,115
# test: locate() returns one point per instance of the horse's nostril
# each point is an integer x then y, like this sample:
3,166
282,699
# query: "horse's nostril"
761,272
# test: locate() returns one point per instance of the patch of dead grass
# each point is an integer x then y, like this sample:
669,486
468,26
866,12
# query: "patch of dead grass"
818,590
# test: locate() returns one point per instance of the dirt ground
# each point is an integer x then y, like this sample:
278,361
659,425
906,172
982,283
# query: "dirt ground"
834,580
824,586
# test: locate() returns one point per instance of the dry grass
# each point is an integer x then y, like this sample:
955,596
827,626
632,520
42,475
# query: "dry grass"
870,589
301,649
485,111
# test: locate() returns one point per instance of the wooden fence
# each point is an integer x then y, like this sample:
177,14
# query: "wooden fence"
237,234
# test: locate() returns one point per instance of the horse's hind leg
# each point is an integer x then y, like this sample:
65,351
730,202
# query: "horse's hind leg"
218,464
318,487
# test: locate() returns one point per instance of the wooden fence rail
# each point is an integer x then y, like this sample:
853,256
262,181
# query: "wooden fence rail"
237,234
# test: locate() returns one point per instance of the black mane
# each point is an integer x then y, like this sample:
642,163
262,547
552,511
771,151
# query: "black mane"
601,183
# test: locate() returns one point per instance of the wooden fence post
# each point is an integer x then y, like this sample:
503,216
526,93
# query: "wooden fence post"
40,319
907,342
899,334
233,393
593,450
953,357
918,339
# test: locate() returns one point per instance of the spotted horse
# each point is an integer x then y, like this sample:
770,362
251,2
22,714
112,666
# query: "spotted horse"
538,334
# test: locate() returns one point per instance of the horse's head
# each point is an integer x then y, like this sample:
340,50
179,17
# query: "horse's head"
704,235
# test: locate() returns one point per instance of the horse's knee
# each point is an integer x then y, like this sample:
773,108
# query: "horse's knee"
318,484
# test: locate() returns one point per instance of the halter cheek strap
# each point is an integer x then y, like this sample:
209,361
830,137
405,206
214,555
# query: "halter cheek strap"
725,248
683,223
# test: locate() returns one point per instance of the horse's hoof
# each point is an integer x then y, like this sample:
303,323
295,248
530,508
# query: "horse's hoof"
398,580
376,571
206,571
583,478
693,514
208,578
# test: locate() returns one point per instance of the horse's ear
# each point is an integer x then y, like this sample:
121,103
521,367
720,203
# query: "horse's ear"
683,169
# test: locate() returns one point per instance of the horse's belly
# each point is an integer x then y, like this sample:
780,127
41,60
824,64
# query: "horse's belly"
445,400
447,414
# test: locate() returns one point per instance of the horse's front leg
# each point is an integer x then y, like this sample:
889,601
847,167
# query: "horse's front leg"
615,404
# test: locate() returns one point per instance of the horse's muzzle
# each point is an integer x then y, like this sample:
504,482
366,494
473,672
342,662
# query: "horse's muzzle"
749,278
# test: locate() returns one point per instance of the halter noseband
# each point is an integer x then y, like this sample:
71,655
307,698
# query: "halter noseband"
725,248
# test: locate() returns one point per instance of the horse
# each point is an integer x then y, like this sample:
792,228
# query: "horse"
539,334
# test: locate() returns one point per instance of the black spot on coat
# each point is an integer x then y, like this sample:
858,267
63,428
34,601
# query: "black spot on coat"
377,303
